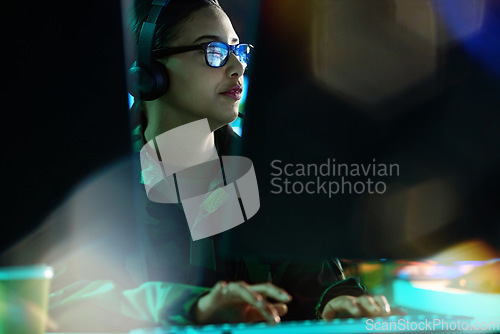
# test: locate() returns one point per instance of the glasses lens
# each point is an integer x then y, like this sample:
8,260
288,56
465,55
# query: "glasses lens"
242,52
217,53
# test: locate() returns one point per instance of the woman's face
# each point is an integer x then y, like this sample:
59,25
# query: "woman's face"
196,90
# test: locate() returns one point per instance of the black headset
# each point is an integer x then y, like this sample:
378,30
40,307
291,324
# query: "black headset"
148,78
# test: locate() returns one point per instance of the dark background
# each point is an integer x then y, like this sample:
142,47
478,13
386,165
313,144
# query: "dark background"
64,103
443,132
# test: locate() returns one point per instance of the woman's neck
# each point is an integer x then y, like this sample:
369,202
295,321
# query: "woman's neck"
185,146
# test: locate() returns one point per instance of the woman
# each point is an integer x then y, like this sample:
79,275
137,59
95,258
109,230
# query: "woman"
184,282
199,91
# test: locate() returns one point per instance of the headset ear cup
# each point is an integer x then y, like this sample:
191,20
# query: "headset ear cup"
161,79
148,84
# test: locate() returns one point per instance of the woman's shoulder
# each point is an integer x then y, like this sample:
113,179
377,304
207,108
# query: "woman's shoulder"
227,141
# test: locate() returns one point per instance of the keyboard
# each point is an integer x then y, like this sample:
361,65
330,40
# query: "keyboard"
393,324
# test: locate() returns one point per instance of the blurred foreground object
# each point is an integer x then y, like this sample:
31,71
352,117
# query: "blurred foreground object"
462,280
24,295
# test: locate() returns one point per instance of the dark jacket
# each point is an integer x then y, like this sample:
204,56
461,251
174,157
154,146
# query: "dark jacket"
134,264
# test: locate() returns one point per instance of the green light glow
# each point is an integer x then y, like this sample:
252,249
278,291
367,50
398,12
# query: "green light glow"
26,272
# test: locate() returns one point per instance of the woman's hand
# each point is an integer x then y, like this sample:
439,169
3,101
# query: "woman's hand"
242,302
355,307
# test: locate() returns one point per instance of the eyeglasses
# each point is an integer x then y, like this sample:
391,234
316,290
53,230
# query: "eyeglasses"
216,53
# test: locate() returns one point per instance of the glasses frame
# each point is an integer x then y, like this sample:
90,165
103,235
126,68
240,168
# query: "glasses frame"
169,51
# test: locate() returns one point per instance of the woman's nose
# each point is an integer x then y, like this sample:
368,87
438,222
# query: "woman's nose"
234,68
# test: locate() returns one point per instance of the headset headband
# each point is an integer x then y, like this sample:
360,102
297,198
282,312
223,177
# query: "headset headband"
147,34
148,80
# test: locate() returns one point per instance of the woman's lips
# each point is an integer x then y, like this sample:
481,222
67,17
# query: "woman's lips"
233,93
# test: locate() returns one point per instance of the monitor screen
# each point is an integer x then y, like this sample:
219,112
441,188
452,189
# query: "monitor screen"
372,136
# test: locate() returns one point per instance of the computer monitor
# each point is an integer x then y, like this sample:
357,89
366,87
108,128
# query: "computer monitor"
372,134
